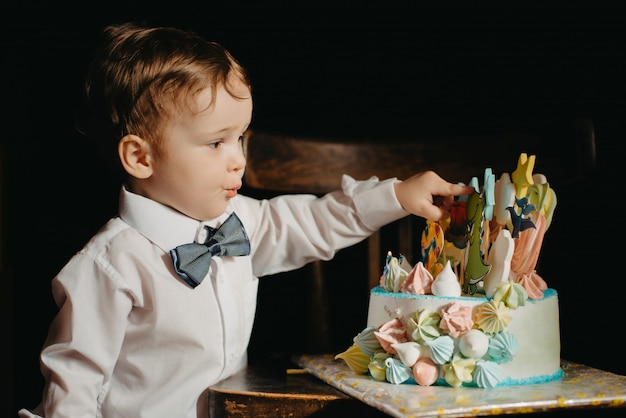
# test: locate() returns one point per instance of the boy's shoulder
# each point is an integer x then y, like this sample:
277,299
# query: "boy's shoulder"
113,256
113,234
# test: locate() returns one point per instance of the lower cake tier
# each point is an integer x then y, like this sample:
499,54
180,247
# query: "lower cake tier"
531,329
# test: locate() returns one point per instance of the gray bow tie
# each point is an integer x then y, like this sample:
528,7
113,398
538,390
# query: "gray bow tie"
192,261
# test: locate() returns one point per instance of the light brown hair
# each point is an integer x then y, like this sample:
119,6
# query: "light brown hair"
142,77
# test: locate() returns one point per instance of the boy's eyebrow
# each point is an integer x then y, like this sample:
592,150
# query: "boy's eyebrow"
228,128
221,131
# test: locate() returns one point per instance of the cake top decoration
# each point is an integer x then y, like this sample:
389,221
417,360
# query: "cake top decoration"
491,238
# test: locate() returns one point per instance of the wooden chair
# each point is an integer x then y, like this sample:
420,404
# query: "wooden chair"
278,163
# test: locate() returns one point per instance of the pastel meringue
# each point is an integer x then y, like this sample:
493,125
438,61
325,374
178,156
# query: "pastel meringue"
377,366
425,372
487,374
418,281
397,372
458,371
424,325
356,359
393,274
513,295
456,319
408,352
474,344
366,340
446,283
390,333
503,347
492,317
441,349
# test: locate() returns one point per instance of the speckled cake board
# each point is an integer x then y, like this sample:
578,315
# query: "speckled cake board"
581,387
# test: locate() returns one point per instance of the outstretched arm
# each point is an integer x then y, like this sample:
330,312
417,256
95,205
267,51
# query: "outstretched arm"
429,196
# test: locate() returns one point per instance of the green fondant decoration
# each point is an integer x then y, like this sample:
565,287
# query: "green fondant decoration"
475,269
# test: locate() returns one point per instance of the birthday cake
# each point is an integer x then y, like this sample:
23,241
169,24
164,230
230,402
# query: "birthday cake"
473,311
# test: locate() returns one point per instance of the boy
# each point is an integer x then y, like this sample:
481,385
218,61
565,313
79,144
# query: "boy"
160,303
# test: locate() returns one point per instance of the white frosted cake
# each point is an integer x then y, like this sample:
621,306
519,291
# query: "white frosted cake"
473,311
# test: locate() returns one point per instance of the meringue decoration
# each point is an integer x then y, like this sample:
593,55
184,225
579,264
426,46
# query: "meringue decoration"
393,274
390,333
356,359
377,366
397,372
366,340
446,283
425,372
458,371
492,317
513,295
503,347
456,319
441,349
418,281
487,374
474,344
409,352
424,325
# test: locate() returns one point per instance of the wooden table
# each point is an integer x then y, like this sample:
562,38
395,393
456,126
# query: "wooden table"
279,389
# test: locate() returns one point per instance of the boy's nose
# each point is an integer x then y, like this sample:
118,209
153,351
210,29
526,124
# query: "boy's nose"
238,161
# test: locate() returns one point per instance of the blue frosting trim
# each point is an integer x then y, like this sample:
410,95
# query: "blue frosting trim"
548,293
532,380
536,380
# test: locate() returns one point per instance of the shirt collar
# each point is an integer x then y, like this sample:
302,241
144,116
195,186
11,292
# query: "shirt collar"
165,227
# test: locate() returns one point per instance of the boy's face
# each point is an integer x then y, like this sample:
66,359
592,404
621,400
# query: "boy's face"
202,162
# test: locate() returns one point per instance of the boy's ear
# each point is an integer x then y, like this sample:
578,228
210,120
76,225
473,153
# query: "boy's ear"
136,156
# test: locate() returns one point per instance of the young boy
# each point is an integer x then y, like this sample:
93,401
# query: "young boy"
148,320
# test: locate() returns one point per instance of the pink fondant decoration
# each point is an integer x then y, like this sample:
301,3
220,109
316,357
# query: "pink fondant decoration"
525,256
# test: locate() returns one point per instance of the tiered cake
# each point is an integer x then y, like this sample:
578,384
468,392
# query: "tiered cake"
473,311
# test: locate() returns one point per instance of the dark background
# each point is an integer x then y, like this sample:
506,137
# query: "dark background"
389,71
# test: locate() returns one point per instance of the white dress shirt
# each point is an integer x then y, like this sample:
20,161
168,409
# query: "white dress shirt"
132,339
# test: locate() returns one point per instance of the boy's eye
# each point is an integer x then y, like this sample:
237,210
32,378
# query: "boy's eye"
215,144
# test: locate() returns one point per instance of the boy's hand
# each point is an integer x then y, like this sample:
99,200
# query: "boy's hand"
429,196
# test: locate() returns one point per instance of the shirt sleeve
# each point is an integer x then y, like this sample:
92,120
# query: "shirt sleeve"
35,413
79,355
288,231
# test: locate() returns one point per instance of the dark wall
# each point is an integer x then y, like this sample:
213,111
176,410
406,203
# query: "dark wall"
391,71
